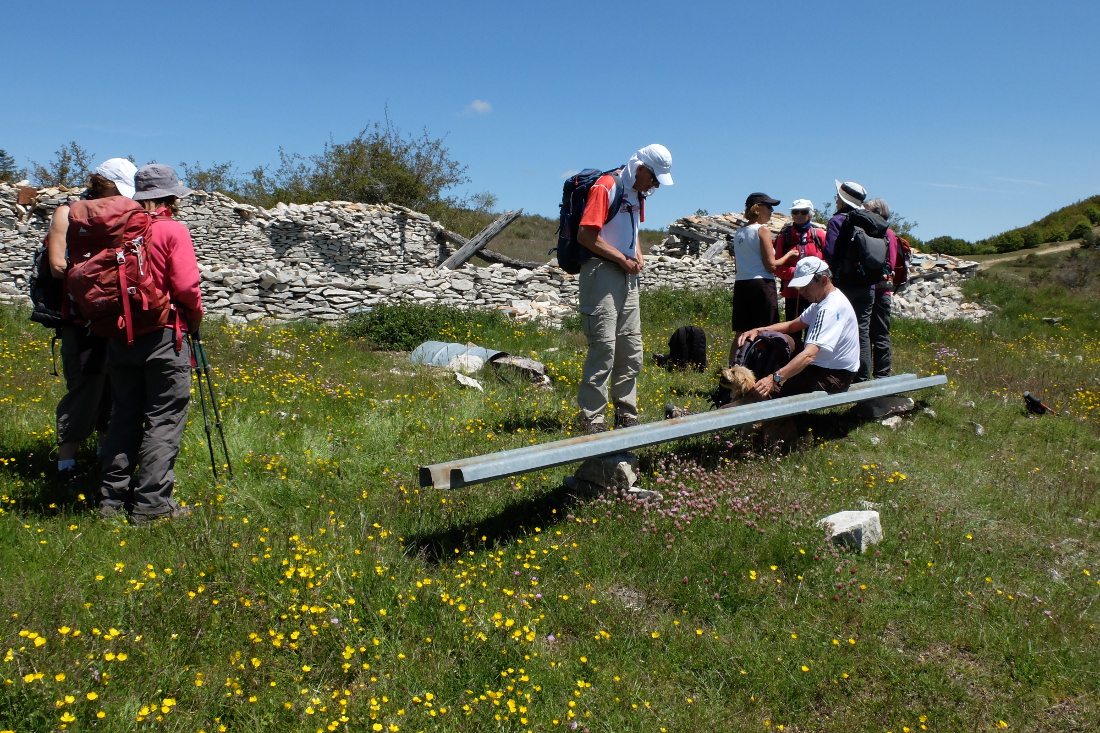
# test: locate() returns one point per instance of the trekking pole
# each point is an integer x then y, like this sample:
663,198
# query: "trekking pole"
205,416
205,365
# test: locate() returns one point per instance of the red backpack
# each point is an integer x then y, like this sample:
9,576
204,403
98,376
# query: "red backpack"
108,284
902,259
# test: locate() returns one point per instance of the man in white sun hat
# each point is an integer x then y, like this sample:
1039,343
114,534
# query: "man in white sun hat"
830,357
608,300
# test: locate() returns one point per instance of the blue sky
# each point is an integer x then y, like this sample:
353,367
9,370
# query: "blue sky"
969,118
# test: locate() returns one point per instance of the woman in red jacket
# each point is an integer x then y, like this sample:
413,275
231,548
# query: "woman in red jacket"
809,241
152,376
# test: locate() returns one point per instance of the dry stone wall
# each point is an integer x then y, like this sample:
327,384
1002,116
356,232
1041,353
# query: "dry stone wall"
329,259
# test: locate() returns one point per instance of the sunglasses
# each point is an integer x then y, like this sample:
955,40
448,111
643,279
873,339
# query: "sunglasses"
798,212
656,183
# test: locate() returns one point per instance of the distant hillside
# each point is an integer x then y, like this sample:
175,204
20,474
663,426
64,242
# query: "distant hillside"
1075,221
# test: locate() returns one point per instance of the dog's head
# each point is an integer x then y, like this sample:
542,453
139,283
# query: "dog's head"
738,380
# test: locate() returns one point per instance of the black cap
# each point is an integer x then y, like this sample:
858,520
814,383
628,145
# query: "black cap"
760,198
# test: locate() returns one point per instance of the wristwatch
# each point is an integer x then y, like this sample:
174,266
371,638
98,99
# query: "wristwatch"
778,379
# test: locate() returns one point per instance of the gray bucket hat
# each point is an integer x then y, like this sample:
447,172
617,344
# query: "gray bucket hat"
158,181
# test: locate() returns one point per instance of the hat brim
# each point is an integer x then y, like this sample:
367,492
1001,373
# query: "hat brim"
801,282
160,193
854,203
665,179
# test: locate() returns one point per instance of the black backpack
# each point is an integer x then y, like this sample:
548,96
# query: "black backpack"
866,257
574,196
765,354
46,292
687,349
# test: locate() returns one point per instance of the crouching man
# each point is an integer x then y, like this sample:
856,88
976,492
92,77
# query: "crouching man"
830,358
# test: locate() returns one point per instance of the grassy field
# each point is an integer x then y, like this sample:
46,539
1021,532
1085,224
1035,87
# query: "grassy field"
322,589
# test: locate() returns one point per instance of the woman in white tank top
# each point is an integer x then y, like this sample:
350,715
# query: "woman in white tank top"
755,304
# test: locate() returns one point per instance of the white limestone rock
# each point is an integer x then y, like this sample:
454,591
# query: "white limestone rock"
614,471
855,530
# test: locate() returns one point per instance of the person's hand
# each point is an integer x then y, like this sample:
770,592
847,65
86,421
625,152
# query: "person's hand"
630,265
764,387
748,336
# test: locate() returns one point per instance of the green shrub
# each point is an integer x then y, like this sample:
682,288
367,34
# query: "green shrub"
949,246
1093,213
1082,229
404,326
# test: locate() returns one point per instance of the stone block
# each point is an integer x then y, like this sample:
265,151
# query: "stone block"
855,530
890,405
615,471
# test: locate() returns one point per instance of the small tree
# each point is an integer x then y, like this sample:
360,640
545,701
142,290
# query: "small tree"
1080,230
218,177
70,167
1032,238
9,172
1092,211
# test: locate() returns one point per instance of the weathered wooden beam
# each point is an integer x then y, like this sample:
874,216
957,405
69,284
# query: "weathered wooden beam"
715,249
483,237
487,254
692,234
492,257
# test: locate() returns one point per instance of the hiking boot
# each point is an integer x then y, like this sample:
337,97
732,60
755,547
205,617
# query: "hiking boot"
591,427
111,511
626,421
176,512
72,476
672,412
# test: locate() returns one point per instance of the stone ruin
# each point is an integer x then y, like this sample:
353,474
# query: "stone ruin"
333,258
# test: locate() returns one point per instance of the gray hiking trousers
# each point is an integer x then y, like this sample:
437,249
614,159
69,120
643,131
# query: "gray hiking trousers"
151,387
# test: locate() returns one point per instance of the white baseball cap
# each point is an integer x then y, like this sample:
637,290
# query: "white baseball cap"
805,270
659,160
120,172
800,204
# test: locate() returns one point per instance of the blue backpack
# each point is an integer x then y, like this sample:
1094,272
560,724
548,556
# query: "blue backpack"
571,253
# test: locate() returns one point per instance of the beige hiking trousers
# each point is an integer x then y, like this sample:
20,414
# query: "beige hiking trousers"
613,326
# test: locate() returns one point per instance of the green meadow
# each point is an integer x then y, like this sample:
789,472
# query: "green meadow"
322,589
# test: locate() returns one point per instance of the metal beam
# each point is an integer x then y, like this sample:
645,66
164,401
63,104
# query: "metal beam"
467,471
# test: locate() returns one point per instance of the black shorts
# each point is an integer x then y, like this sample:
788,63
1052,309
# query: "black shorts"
817,379
754,304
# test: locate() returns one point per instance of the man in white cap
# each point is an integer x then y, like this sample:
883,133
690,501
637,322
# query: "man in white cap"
850,197
609,290
830,357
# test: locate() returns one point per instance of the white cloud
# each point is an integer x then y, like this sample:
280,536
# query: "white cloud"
1018,180
479,107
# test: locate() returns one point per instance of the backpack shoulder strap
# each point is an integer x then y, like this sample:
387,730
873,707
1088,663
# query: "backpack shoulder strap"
616,201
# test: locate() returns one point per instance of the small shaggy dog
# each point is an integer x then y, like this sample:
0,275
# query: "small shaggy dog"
733,383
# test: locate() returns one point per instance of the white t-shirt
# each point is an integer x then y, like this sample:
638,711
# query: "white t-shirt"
833,328
746,253
622,231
